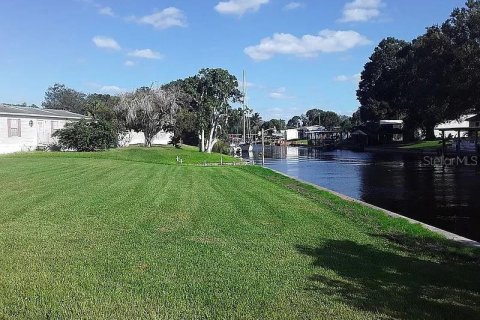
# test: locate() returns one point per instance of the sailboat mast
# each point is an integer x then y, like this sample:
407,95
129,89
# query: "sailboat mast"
244,116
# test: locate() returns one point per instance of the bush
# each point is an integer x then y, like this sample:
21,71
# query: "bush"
221,146
87,136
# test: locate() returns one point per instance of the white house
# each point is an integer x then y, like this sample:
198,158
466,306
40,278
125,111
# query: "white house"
138,138
474,121
460,123
26,129
290,134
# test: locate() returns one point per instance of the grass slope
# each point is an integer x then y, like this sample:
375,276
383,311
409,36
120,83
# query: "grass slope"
424,145
84,238
157,154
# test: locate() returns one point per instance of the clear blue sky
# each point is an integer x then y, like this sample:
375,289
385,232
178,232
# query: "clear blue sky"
297,54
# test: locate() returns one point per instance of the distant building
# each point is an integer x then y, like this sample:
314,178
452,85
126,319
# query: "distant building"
290,134
378,132
462,122
474,121
390,131
26,129
303,131
138,138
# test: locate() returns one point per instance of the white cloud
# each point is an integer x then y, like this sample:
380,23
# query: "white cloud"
293,6
239,7
105,42
146,54
109,89
103,10
326,41
361,10
106,11
129,63
343,78
280,93
285,112
248,85
164,19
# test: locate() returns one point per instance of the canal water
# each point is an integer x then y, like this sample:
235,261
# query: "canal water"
445,195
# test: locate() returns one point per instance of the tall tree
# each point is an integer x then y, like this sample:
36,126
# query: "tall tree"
376,93
102,107
294,122
186,126
256,122
329,119
313,116
149,110
422,81
235,121
463,32
62,98
212,91
346,123
276,124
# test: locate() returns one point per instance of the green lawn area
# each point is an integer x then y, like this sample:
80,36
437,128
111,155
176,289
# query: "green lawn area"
423,145
158,155
124,234
300,142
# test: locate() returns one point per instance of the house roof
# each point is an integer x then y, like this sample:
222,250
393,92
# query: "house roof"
468,129
311,128
391,121
20,111
474,118
359,132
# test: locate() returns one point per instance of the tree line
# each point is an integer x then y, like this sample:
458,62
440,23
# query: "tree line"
197,109
327,119
426,81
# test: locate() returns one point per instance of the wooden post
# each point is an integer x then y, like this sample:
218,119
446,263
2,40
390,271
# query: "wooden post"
263,147
443,143
459,143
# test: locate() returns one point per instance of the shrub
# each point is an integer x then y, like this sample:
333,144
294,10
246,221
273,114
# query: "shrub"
221,146
87,136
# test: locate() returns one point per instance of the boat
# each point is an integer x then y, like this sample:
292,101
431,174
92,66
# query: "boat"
245,145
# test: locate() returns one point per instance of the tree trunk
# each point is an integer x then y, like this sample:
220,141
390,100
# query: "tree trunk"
211,138
148,140
202,141
430,132
211,144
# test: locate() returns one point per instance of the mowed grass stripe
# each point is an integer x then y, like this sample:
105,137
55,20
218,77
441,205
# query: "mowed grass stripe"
139,239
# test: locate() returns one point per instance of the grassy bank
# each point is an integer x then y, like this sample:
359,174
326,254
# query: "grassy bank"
157,154
299,142
423,145
122,235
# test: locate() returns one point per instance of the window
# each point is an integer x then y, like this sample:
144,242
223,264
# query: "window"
54,126
477,124
14,128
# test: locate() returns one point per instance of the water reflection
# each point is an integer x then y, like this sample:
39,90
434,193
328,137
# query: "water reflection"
446,197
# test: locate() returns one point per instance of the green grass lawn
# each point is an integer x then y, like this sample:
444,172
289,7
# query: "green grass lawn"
300,142
424,145
158,154
110,236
